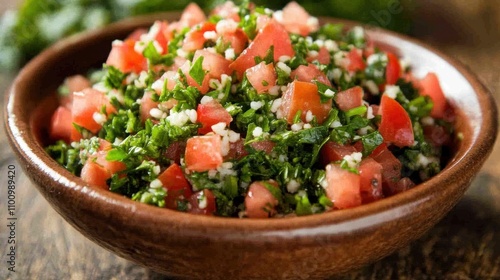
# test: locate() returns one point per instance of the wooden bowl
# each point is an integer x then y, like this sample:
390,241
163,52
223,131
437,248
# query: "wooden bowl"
186,245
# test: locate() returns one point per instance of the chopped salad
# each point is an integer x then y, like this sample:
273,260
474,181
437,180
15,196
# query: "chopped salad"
250,112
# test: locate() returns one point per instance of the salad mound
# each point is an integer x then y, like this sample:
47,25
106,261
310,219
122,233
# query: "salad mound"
251,113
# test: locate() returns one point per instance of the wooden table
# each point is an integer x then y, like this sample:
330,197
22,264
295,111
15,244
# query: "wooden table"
464,245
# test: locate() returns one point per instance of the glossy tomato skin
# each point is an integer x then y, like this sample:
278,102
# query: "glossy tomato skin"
343,187
310,73
304,96
430,86
332,152
210,114
259,201
395,125
124,57
356,62
178,188
203,153
272,34
349,98
95,174
393,69
203,203
370,173
61,125
262,77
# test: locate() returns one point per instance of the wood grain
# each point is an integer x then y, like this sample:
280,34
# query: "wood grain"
464,245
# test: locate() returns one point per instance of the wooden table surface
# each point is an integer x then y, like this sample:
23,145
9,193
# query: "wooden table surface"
464,245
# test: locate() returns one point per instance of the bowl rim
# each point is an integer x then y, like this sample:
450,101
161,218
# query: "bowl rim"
364,216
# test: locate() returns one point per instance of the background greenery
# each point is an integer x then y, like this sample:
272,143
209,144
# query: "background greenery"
38,23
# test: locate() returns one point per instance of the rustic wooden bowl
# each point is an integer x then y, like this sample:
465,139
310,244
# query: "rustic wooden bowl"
186,245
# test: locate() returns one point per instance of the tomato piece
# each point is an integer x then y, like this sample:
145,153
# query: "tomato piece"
266,146
395,125
61,125
236,150
391,166
332,151
349,98
195,38
310,73
213,63
400,186
304,96
370,173
211,113
238,40
175,183
430,87
322,57
296,19
393,69
356,62
203,203
192,15
146,105
204,87
175,151
160,33
436,135
73,83
343,187
259,201
136,34
95,175
203,153
124,57
273,34
112,167
85,104
262,76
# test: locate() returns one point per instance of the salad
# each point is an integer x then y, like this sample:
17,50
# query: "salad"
251,112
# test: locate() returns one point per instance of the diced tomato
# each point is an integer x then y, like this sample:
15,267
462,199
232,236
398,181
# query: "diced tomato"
160,33
343,187
175,151
85,104
227,11
211,113
395,125
202,203
402,185
262,21
112,167
393,69
391,166
430,87
192,15
370,172
74,83
266,146
436,135
296,19
214,63
262,76
323,56
238,40
273,34
350,98
259,201
332,151
60,125
104,145
310,73
177,186
203,153
356,62
95,175
204,87
146,105
195,38
124,57
304,96
236,150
